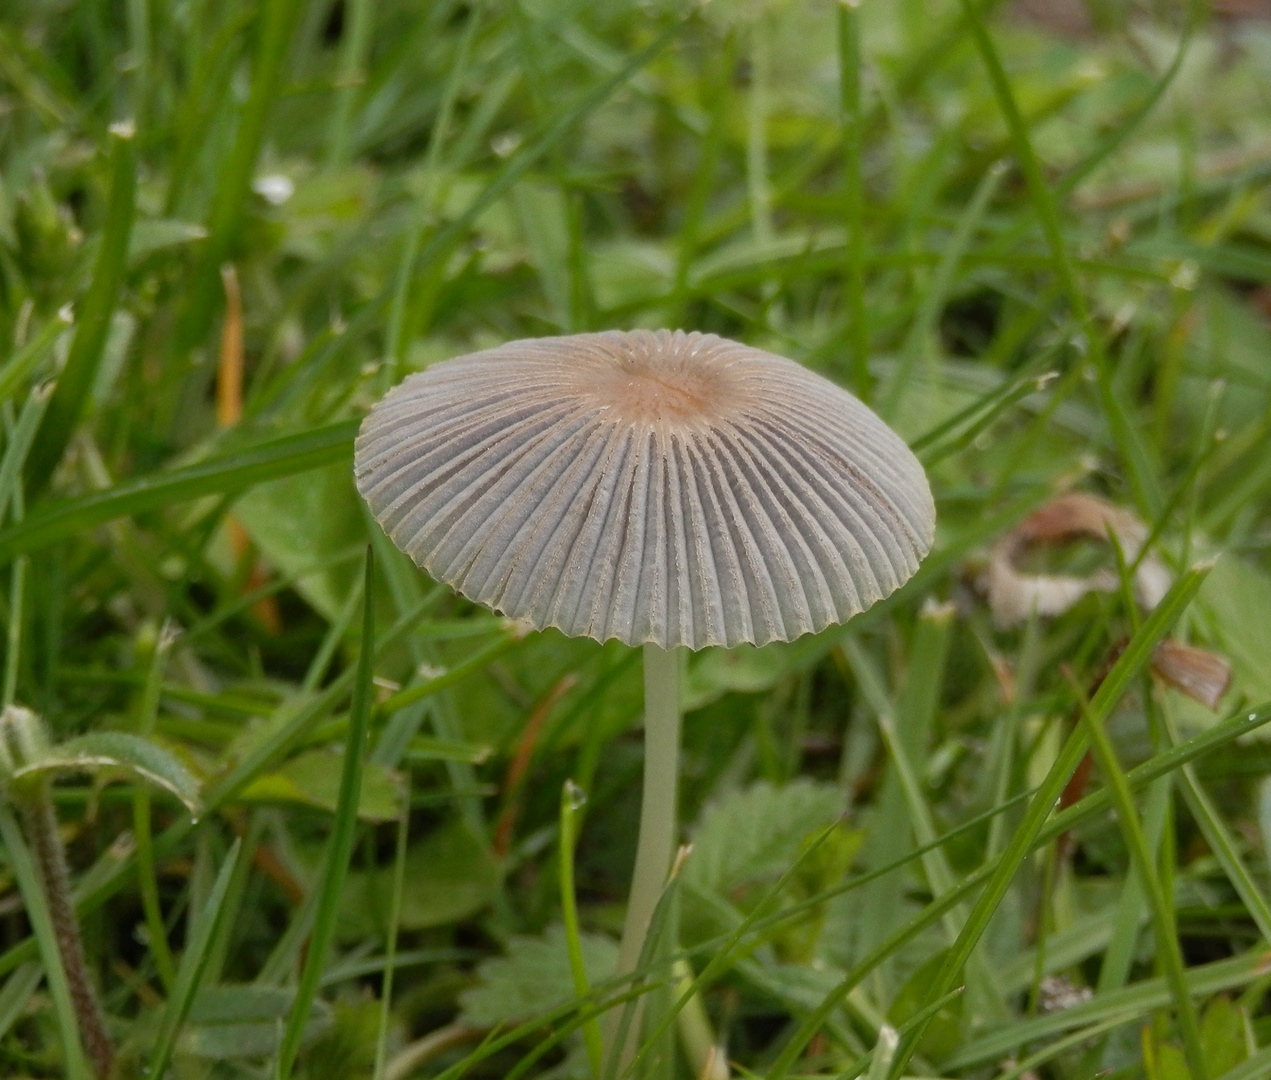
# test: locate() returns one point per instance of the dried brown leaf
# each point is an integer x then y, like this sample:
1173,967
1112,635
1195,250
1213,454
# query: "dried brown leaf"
1200,674
1014,594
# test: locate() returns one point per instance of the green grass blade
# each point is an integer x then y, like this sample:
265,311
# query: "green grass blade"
18,368
917,342
428,687
522,160
849,49
396,343
350,75
228,472
32,890
93,317
193,965
19,438
1141,474
571,800
1169,953
1039,192
160,643
884,1052
276,26
1118,137
1221,842
391,958
340,846
729,948
1129,1004
1114,968
1137,653
17,449
15,998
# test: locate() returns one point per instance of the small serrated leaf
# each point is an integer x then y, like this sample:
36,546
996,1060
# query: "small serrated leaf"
103,753
533,978
755,834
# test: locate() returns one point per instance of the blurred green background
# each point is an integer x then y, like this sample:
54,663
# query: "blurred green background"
1036,237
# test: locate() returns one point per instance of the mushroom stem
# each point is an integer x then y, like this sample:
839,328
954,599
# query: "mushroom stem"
657,812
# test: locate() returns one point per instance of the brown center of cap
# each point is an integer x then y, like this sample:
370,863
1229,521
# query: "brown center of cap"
691,386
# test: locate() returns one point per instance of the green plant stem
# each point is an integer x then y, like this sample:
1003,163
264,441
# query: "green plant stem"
354,46
17,605
343,832
759,190
706,1056
1043,201
148,886
390,950
159,642
200,942
572,798
40,822
397,332
277,22
1168,951
657,811
849,44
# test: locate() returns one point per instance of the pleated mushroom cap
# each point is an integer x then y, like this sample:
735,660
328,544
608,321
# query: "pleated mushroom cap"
650,486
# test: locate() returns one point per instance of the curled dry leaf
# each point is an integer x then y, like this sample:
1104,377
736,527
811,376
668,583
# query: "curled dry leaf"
1198,673
1014,593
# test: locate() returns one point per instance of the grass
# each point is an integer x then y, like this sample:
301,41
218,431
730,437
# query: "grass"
1045,255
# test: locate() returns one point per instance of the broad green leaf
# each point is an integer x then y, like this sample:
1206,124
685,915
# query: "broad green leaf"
1168,1063
297,521
748,670
235,1022
108,754
450,875
533,977
313,779
1237,598
1223,1033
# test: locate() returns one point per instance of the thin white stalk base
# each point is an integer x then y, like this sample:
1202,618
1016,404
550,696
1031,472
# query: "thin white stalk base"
657,812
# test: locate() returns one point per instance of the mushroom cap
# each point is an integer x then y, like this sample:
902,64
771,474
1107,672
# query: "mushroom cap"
651,486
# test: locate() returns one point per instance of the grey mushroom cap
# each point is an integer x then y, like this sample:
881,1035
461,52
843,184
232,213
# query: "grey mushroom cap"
650,486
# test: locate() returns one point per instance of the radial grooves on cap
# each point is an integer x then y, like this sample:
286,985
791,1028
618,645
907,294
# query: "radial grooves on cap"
647,486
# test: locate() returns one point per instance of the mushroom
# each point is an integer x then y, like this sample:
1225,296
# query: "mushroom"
668,489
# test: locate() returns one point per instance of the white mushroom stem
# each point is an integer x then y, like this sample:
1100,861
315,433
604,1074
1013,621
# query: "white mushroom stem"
657,812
